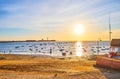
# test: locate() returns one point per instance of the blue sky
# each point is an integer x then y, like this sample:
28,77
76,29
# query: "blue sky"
36,19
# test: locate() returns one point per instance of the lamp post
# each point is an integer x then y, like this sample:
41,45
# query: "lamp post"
109,31
98,44
98,48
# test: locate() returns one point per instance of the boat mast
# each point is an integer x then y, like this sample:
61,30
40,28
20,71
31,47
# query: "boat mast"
109,31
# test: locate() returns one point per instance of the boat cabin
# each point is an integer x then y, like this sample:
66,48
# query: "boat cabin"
115,46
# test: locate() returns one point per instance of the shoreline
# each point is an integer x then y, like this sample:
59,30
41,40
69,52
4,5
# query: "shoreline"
46,41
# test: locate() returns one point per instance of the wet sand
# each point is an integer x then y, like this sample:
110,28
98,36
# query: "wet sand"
45,67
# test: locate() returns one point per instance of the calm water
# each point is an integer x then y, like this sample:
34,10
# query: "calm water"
55,48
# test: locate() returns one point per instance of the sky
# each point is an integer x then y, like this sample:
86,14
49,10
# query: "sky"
56,19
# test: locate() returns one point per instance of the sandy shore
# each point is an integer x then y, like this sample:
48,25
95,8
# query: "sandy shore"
45,67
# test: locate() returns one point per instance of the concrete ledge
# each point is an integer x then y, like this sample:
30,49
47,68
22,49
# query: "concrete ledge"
104,61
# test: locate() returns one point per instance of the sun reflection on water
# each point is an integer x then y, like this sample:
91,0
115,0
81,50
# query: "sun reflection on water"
79,47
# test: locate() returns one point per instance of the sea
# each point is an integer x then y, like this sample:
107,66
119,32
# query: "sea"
57,48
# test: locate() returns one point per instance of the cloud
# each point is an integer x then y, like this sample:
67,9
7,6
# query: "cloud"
51,15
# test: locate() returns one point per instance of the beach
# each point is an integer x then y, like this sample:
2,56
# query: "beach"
46,67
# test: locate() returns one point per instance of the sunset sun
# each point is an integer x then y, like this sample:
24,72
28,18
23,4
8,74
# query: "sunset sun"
79,28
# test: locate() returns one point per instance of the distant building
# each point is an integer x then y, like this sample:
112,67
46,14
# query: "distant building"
30,40
46,40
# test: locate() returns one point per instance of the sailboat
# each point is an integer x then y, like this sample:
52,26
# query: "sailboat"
112,51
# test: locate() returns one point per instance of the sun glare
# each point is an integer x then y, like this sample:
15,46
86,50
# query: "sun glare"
79,28
79,51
